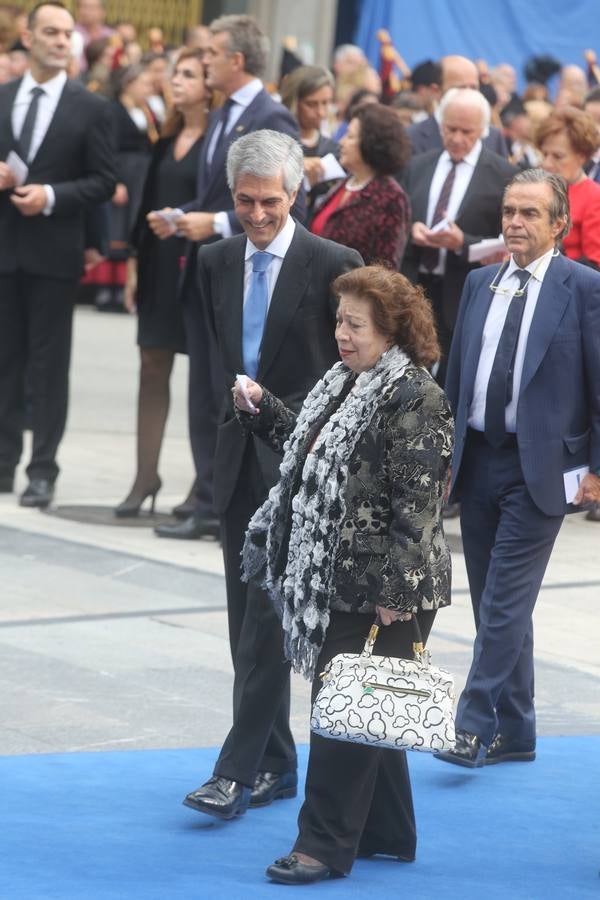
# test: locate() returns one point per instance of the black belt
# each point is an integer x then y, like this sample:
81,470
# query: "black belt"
479,438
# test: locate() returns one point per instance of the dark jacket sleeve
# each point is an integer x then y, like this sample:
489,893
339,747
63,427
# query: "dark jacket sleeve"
273,424
98,179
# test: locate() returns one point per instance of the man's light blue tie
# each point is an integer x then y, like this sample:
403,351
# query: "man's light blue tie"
255,312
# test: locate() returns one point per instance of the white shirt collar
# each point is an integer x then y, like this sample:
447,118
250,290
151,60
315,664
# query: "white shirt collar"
280,244
52,88
471,159
538,267
246,94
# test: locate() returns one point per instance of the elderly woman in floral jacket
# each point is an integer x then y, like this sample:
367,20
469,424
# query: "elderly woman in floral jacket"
354,527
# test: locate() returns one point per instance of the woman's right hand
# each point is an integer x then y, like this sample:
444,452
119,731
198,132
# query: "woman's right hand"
253,393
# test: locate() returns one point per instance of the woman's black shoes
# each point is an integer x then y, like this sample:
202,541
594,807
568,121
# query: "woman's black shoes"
132,504
289,870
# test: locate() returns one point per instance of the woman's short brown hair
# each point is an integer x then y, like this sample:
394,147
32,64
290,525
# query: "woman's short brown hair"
383,143
400,310
579,127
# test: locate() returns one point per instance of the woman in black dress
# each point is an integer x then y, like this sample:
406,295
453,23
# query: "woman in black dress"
153,276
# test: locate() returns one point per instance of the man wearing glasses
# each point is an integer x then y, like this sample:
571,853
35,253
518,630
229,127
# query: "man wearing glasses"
524,384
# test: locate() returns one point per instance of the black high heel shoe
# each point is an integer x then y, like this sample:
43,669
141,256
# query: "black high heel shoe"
132,504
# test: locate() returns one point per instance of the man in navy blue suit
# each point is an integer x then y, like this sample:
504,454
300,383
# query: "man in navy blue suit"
524,384
235,60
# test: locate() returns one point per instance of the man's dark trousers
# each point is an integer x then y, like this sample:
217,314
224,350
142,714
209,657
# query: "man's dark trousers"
507,543
36,315
254,633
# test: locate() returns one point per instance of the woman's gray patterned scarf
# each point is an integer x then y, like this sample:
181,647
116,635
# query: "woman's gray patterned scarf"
302,592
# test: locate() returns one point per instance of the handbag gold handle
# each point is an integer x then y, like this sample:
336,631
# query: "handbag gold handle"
418,645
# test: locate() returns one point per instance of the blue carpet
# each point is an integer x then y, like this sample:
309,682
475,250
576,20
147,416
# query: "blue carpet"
91,826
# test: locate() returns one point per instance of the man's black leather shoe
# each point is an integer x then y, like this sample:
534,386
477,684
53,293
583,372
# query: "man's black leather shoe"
6,484
220,797
271,786
289,870
468,751
190,529
504,750
183,510
39,492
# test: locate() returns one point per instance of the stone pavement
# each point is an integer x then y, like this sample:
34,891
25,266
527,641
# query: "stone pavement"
111,638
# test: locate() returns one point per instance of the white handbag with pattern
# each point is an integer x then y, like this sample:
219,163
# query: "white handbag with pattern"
381,701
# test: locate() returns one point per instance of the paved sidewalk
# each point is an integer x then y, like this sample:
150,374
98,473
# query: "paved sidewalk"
113,638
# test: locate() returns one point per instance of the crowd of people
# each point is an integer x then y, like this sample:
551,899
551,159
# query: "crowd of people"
391,312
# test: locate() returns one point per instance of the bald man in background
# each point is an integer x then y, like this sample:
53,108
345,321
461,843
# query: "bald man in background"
457,72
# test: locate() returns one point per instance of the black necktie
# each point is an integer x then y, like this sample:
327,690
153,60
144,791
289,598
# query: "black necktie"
500,385
430,256
29,123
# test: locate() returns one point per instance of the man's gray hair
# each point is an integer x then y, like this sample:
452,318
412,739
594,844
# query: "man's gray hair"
266,154
559,205
468,97
347,50
244,36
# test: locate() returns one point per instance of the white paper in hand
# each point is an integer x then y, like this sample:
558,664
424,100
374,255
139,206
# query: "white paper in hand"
19,169
572,479
442,225
242,383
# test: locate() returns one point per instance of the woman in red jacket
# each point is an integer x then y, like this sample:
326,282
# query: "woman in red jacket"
567,138
369,211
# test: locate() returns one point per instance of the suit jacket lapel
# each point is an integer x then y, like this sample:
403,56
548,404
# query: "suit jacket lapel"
552,301
478,180
421,195
290,287
478,315
233,299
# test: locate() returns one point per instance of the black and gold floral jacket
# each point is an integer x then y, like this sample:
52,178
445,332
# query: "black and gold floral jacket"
392,549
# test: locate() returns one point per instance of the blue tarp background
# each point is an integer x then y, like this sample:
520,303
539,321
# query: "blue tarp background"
495,30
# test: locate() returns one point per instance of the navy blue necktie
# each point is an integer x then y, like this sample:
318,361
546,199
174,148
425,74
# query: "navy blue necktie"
255,312
26,135
500,385
223,119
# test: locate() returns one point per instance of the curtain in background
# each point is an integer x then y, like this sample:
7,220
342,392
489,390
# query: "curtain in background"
494,30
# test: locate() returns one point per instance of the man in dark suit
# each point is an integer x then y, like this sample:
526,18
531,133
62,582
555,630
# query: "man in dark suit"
235,60
459,186
286,349
524,385
63,135
457,72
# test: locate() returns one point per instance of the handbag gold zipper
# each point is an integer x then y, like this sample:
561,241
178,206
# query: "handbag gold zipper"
370,686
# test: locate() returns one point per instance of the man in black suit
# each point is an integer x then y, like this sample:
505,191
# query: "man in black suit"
287,349
235,60
63,135
457,72
460,186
